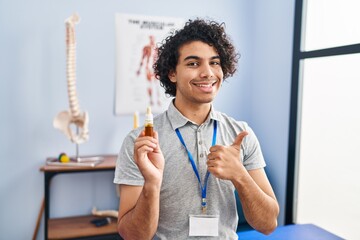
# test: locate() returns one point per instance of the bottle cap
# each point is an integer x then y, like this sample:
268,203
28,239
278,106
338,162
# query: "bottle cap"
149,116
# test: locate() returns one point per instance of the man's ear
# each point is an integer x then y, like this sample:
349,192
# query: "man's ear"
171,76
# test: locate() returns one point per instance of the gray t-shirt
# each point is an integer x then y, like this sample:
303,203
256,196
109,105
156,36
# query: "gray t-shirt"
180,194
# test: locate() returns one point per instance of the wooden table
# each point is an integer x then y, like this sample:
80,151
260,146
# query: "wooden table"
78,227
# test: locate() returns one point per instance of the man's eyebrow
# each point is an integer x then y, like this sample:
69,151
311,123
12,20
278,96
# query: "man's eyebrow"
191,57
215,57
197,57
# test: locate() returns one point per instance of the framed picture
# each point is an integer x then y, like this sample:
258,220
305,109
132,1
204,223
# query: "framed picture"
137,39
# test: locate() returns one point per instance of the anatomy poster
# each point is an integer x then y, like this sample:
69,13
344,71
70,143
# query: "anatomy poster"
137,38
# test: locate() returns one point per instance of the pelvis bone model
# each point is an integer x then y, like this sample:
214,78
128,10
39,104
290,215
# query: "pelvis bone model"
65,120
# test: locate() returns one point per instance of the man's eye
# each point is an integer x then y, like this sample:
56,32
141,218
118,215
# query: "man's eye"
215,63
193,64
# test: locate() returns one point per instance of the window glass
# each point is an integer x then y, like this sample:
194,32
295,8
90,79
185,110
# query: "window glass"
329,141
331,23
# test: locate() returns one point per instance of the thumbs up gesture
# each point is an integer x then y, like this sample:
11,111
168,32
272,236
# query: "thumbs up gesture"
224,161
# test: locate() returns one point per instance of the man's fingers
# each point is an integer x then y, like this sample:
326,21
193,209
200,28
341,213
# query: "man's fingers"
142,133
157,148
156,135
147,142
238,140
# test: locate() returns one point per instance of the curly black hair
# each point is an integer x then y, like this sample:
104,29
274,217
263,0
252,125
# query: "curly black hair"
209,32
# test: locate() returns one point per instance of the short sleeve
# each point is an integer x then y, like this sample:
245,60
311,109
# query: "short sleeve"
253,157
126,171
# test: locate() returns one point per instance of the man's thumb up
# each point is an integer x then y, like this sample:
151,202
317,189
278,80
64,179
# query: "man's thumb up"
238,140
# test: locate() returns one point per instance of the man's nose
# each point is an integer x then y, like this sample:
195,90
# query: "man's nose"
206,71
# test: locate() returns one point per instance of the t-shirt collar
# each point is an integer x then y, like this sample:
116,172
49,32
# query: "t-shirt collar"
177,120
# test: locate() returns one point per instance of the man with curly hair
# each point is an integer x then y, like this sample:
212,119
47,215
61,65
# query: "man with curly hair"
181,182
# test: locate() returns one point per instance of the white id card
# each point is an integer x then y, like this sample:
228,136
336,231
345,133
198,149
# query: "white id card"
204,225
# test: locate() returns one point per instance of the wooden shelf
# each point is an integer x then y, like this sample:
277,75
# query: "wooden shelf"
77,227
108,164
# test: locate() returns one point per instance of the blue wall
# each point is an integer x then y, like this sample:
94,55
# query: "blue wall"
33,91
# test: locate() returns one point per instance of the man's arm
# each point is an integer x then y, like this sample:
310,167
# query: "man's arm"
257,198
138,211
139,205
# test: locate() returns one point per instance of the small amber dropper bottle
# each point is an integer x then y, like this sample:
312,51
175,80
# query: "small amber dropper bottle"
149,123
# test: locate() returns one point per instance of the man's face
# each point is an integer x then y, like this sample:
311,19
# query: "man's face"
198,75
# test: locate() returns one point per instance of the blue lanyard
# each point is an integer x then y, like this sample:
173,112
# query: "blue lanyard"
203,188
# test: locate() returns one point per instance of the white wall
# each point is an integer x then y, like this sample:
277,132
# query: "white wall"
33,91
269,86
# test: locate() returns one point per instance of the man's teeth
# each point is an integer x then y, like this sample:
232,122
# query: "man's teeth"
204,85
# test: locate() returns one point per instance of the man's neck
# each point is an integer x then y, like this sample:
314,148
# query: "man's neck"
197,113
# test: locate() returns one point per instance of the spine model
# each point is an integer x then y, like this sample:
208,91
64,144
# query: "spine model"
71,65
72,117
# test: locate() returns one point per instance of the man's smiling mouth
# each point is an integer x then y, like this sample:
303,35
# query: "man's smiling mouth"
205,84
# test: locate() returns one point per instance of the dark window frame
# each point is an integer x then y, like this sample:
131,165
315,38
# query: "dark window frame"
298,56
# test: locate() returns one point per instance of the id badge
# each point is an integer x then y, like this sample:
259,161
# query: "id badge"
204,225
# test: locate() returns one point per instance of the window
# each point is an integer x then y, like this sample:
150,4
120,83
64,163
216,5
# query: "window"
323,161
331,23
